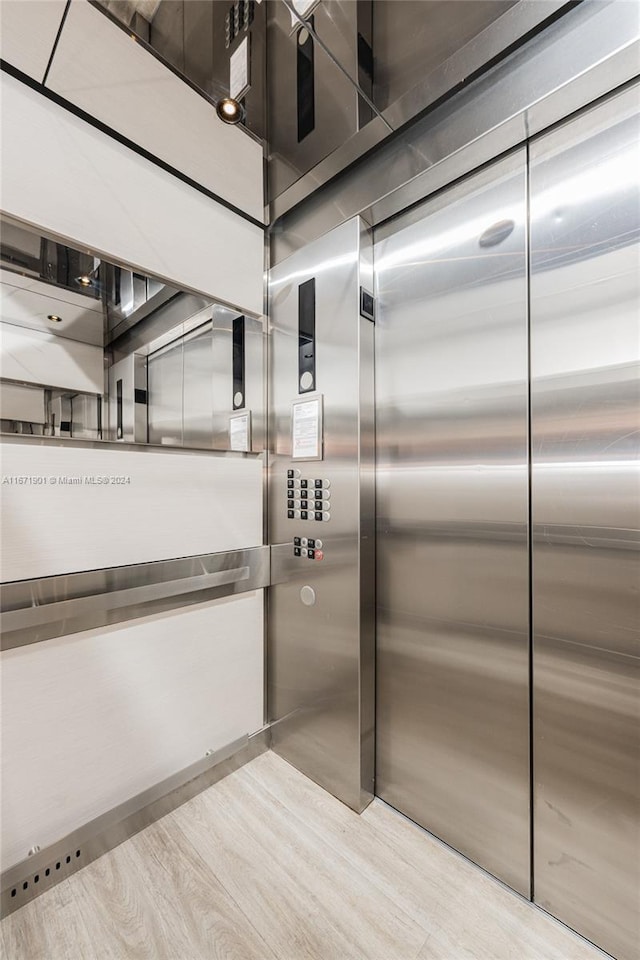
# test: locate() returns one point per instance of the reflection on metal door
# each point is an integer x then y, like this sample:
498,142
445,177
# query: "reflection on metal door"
180,403
453,577
585,346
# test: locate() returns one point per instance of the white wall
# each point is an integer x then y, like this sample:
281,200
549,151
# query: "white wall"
61,174
44,358
92,719
150,105
100,68
176,505
28,31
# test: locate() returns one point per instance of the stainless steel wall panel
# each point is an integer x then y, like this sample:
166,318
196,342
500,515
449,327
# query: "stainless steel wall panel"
321,657
452,504
197,403
335,99
585,348
413,37
165,375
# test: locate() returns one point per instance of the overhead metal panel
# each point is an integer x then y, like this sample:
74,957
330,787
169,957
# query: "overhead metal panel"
585,348
452,506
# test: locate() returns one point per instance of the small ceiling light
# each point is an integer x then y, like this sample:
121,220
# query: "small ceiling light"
54,318
229,111
84,280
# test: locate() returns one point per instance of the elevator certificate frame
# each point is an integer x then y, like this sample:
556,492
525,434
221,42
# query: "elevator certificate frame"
307,428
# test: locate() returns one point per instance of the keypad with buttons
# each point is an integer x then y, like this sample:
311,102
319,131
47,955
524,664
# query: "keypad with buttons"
308,499
308,548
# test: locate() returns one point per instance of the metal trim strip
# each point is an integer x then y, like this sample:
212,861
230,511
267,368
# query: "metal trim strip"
37,610
109,830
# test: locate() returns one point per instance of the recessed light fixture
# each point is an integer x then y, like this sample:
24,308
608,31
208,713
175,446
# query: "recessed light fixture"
229,110
54,318
84,280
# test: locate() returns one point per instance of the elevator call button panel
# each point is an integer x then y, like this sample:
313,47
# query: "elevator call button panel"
308,499
308,547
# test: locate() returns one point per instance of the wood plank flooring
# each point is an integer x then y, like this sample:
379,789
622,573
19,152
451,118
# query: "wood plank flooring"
265,865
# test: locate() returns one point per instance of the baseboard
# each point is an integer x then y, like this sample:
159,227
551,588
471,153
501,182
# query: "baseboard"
31,877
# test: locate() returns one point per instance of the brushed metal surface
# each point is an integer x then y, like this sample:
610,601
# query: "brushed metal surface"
197,391
111,829
452,506
165,379
321,657
587,53
421,53
585,348
336,100
35,610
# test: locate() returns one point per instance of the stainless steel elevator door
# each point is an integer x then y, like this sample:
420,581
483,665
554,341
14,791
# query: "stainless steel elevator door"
165,373
180,382
585,347
452,504
197,389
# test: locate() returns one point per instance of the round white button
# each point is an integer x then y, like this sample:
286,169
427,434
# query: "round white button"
308,596
306,380
326,516
326,483
326,505
304,542
296,514
326,494
237,399
318,544
303,552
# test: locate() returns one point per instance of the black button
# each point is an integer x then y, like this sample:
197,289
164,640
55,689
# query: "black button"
311,543
318,494
296,541
319,515
304,504
290,473
289,483
317,483
296,551
304,483
304,514
290,515
291,504
311,554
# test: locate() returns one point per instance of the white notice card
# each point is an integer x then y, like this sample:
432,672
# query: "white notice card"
239,71
306,430
240,433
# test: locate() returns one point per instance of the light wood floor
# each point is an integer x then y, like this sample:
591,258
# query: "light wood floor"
266,865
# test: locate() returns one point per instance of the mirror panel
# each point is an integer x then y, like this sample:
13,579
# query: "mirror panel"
92,350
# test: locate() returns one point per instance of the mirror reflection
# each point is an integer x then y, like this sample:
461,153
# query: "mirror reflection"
92,350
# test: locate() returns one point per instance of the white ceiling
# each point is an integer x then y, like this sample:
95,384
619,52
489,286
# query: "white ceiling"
25,302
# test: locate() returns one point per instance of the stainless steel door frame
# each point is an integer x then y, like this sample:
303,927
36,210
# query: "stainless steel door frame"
452,495
585,353
321,637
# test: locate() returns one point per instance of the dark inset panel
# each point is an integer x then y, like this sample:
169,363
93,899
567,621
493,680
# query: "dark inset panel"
305,83
307,336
